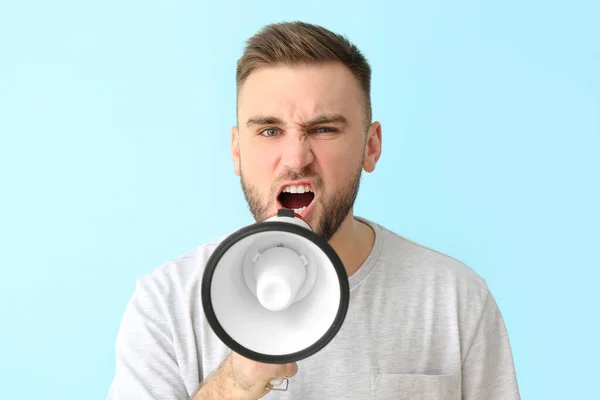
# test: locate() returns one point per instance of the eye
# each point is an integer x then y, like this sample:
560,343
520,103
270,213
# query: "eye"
323,129
269,132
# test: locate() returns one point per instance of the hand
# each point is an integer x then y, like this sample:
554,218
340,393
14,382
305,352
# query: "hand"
250,378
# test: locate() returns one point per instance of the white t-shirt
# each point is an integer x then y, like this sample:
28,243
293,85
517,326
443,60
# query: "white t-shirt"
420,325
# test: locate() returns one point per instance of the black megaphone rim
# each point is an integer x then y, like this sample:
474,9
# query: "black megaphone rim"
270,226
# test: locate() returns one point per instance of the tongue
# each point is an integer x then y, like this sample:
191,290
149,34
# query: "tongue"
296,200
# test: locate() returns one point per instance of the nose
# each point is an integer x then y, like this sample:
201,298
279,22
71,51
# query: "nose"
297,153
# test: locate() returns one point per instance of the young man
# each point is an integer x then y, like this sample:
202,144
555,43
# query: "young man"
420,324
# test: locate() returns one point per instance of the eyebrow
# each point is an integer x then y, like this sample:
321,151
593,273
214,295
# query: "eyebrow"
321,119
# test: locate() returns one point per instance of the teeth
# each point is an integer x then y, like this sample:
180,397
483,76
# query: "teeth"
297,189
299,210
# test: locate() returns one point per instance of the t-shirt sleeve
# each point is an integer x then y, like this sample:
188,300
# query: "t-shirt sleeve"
488,370
146,364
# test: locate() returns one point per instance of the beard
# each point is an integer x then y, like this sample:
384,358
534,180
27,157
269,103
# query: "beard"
331,212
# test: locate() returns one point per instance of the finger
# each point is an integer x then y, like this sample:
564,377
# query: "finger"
276,381
276,377
290,369
266,390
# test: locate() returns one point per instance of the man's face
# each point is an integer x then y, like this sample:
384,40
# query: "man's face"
302,142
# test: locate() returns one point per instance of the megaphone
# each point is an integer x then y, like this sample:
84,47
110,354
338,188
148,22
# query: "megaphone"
274,291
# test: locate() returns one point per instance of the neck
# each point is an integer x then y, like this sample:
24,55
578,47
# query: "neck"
353,242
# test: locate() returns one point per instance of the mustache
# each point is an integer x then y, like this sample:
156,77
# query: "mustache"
306,173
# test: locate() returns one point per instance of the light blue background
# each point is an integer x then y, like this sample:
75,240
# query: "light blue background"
114,123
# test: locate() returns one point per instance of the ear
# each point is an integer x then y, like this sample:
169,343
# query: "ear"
372,151
235,150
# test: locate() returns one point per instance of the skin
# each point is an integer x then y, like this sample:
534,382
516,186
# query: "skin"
330,155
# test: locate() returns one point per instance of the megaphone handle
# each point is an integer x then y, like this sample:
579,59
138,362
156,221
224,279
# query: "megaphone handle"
274,382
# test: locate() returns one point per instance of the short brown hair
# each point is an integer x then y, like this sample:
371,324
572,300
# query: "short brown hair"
293,43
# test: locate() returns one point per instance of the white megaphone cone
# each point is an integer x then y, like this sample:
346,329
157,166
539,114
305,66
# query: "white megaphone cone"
275,292
279,275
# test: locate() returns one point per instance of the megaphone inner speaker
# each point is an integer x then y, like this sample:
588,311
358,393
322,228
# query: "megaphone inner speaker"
275,292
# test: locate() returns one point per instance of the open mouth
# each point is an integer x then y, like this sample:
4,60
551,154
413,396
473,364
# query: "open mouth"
296,197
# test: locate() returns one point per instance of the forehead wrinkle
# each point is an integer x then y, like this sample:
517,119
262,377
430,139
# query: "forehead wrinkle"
296,111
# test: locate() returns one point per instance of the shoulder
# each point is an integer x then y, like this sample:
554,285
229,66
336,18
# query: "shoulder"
437,282
177,279
428,268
